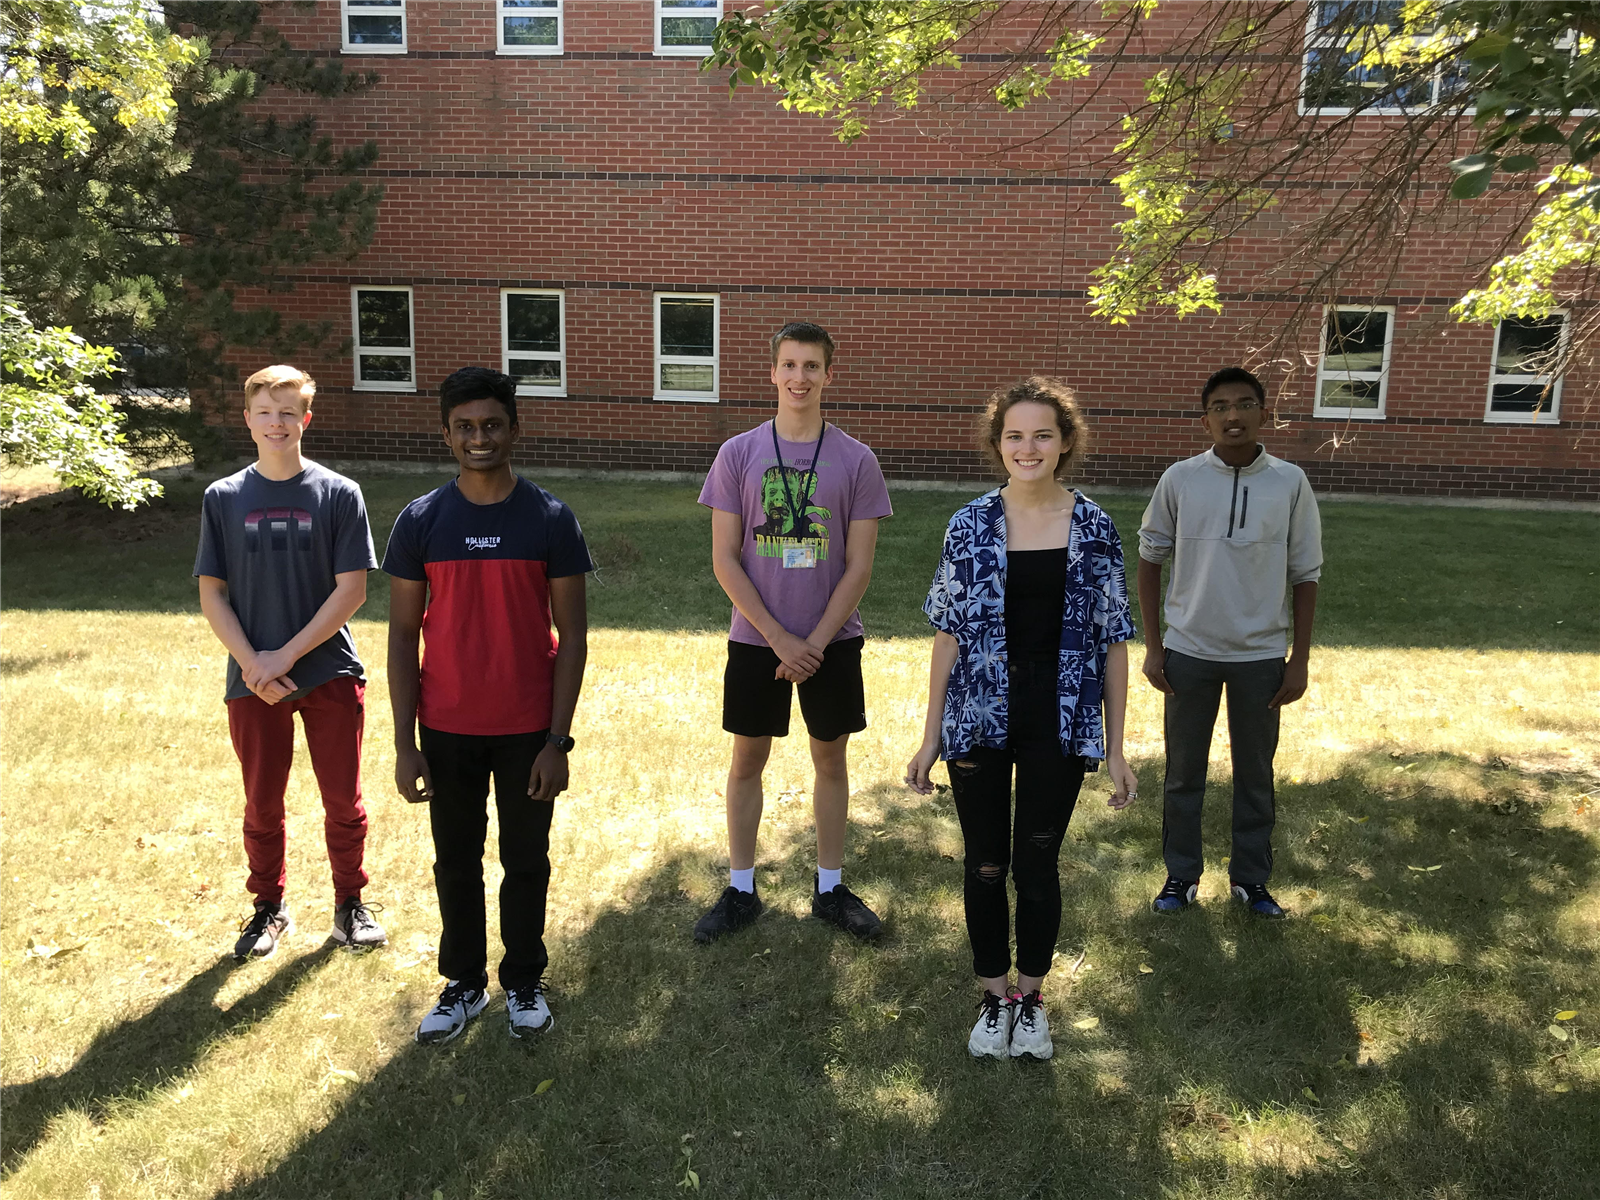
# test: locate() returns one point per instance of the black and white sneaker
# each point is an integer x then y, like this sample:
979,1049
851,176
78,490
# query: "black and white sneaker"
991,1036
262,931
1030,1030
844,908
354,926
527,1011
731,913
458,1003
1256,899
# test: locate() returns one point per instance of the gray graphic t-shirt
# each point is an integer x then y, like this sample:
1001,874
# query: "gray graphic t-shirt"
279,544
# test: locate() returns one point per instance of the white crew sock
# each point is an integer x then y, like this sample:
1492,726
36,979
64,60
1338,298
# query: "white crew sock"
829,878
744,880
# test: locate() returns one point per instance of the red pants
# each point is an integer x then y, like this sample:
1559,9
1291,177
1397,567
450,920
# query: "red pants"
334,716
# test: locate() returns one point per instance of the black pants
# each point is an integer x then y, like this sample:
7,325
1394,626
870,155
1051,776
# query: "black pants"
461,766
1191,715
1030,847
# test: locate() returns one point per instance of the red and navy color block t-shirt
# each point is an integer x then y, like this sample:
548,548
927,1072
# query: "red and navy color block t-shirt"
488,651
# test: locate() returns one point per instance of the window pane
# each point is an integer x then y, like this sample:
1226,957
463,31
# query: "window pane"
374,31
1528,345
687,31
541,372
1355,341
385,368
688,327
527,3
385,318
691,3
1519,398
1350,393
533,323
676,377
530,31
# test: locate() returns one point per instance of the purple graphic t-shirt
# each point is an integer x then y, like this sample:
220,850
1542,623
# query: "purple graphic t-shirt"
805,522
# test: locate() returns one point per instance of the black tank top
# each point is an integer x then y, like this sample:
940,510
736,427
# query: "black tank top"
1036,585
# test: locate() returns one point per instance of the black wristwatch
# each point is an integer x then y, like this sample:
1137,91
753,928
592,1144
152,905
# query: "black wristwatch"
560,741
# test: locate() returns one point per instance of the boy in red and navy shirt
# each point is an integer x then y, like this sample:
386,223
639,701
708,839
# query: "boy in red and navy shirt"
481,568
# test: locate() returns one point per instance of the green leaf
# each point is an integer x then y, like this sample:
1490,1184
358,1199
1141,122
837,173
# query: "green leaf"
1470,187
544,1086
1471,163
1520,162
1310,1095
1515,58
1558,1032
1489,45
458,1099
1086,1023
1542,134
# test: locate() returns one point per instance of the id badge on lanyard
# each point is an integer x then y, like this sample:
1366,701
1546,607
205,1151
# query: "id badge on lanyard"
799,557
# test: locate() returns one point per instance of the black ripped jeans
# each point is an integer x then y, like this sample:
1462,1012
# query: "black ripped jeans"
1047,790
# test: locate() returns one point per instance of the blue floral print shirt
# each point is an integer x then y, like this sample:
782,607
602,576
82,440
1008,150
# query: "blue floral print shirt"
968,601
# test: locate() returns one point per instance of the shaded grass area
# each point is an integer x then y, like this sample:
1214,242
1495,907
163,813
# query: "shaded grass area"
1395,575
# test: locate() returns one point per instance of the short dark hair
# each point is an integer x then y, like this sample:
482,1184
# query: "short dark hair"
476,383
1036,389
806,334
1232,375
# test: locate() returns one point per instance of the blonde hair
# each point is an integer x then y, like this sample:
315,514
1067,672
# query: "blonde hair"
1036,389
281,376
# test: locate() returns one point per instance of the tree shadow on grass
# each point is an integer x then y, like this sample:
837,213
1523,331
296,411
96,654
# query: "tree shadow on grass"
1387,1040
137,1056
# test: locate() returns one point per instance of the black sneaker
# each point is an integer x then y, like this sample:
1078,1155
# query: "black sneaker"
1176,895
260,934
1256,899
355,926
731,913
844,908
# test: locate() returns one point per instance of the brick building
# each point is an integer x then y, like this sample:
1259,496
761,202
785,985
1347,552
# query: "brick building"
570,198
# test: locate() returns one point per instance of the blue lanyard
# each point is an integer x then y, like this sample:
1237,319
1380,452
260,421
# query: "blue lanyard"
808,480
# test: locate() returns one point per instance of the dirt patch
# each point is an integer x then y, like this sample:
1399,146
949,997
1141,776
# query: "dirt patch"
71,518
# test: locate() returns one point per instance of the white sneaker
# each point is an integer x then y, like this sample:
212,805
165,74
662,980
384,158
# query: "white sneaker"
458,1004
1030,1030
992,1032
527,1011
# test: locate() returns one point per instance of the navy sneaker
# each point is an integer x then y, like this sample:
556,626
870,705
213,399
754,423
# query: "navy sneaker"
1256,898
1177,894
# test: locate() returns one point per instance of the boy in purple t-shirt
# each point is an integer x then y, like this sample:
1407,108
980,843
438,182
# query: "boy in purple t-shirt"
795,505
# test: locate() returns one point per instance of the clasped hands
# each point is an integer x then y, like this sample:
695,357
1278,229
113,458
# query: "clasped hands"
799,658
267,675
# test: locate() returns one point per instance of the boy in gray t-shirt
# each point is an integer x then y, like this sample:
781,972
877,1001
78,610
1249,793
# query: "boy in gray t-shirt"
284,553
1241,530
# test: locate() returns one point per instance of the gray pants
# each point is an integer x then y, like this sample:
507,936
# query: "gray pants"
1191,714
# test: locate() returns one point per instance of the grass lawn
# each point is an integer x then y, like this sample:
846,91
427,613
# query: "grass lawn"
1438,844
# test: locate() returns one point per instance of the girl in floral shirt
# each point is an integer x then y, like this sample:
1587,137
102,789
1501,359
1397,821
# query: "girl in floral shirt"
1031,611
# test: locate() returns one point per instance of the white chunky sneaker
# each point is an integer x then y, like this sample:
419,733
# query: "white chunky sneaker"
992,1032
527,1011
1030,1030
458,1004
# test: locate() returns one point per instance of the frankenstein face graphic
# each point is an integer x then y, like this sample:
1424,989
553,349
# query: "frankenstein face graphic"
802,485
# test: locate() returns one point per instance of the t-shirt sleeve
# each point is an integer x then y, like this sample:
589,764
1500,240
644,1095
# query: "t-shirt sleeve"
722,482
1158,530
403,558
211,558
568,552
869,500
352,534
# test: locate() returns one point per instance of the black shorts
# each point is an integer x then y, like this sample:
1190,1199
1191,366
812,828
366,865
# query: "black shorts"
756,704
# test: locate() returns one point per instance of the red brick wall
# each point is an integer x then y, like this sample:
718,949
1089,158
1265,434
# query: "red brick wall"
942,269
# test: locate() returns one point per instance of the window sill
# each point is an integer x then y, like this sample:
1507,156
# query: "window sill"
685,398
548,393
1522,419
682,51
384,387
529,51
1344,414
356,51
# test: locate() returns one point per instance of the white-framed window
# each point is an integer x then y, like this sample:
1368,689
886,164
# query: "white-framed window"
1353,368
687,343
530,26
533,340
385,342
373,26
1333,80
1523,389
683,27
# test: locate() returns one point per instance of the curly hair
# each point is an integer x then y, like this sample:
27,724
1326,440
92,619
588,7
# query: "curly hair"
1036,389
